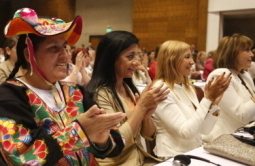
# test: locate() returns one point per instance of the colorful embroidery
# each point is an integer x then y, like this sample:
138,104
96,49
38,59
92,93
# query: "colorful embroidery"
63,128
17,141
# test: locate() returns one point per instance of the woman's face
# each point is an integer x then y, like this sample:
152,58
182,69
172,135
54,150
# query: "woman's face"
52,58
128,62
12,53
186,63
244,59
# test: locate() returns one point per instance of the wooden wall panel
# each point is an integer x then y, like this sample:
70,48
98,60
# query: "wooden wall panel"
157,21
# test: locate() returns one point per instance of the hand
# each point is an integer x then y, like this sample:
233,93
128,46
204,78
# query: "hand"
97,123
215,88
79,60
141,67
151,97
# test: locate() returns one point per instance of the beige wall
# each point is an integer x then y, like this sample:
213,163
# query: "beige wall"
216,9
98,14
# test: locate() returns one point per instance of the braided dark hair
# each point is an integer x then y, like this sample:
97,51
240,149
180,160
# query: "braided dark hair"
21,46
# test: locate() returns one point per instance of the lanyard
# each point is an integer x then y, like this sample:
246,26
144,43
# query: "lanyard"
250,91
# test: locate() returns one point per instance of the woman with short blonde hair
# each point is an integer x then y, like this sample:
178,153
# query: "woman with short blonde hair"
181,118
168,65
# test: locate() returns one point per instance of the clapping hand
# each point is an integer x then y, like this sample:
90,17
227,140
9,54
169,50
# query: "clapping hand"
216,87
151,97
97,124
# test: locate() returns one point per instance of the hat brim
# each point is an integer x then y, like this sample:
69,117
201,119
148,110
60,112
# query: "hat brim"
72,30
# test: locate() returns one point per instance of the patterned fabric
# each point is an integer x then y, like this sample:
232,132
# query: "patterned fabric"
21,145
26,21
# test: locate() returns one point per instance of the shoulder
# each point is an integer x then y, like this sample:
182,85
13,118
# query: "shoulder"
4,67
103,91
3,64
12,89
220,71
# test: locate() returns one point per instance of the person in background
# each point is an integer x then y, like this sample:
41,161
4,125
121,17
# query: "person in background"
2,57
181,119
11,57
77,68
153,64
208,64
117,57
234,56
42,121
141,76
198,67
200,60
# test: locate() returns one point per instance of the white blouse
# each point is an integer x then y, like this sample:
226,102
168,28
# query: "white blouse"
179,120
237,107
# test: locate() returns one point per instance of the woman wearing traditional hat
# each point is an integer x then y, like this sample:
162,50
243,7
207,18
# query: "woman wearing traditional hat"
44,122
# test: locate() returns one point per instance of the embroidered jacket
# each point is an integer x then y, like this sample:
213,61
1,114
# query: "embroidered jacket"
33,134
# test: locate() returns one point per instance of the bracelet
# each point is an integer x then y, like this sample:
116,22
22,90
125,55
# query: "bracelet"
214,110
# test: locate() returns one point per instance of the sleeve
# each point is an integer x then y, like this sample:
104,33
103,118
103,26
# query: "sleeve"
234,102
210,119
3,75
105,101
174,118
113,147
23,146
23,142
115,143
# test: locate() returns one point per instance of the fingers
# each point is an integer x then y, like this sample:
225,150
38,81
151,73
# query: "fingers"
136,97
94,110
110,120
149,86
224,81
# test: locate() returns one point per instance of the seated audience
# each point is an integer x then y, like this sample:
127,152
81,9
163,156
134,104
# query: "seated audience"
116,60
77,68
198,67
181,118
208,65
234,56
153,63
2,57
11,57
42,121
141,76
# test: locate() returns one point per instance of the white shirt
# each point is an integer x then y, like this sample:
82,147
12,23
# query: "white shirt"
237,107
179,124
46,95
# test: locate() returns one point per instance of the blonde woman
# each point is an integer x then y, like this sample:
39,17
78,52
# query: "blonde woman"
180,119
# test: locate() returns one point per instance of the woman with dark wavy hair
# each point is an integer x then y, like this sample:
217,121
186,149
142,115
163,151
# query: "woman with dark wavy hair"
117,57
